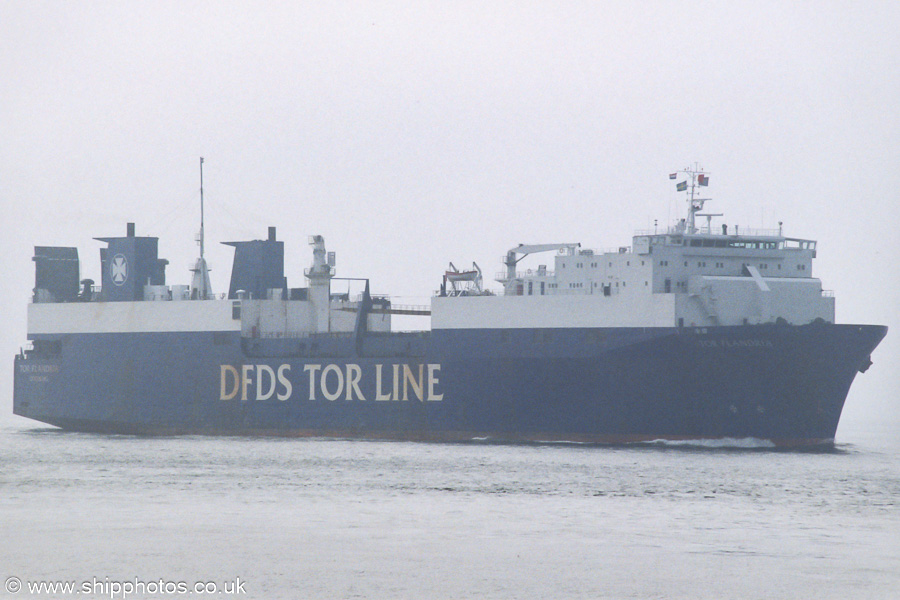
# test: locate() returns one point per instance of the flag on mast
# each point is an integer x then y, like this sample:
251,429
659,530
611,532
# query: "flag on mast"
681,186
703,179
673,175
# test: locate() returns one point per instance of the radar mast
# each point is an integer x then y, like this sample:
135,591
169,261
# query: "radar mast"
200,286
696,178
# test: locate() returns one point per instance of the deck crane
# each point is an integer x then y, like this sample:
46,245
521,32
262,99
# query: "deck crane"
523,250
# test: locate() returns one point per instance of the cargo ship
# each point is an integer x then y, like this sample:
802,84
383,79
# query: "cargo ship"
693,332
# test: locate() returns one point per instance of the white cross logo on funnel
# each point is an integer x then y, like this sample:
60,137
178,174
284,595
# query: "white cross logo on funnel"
119,269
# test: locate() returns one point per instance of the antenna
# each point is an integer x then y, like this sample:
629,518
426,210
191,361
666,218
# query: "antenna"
200,287
201,207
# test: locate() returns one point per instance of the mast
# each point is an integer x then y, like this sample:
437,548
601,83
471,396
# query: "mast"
201,207
200,285
698,178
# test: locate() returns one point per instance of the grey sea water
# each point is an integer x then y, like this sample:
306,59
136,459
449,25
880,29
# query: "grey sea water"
313,518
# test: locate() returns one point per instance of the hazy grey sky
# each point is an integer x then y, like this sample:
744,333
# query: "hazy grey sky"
412,134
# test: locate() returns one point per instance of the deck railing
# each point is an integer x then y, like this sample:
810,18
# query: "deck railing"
732,232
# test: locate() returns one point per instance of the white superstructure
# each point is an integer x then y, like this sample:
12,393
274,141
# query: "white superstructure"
181,309
684,276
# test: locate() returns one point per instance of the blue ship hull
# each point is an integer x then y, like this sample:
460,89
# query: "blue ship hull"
781,383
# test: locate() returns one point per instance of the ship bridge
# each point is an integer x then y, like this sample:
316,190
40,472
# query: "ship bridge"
752,239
